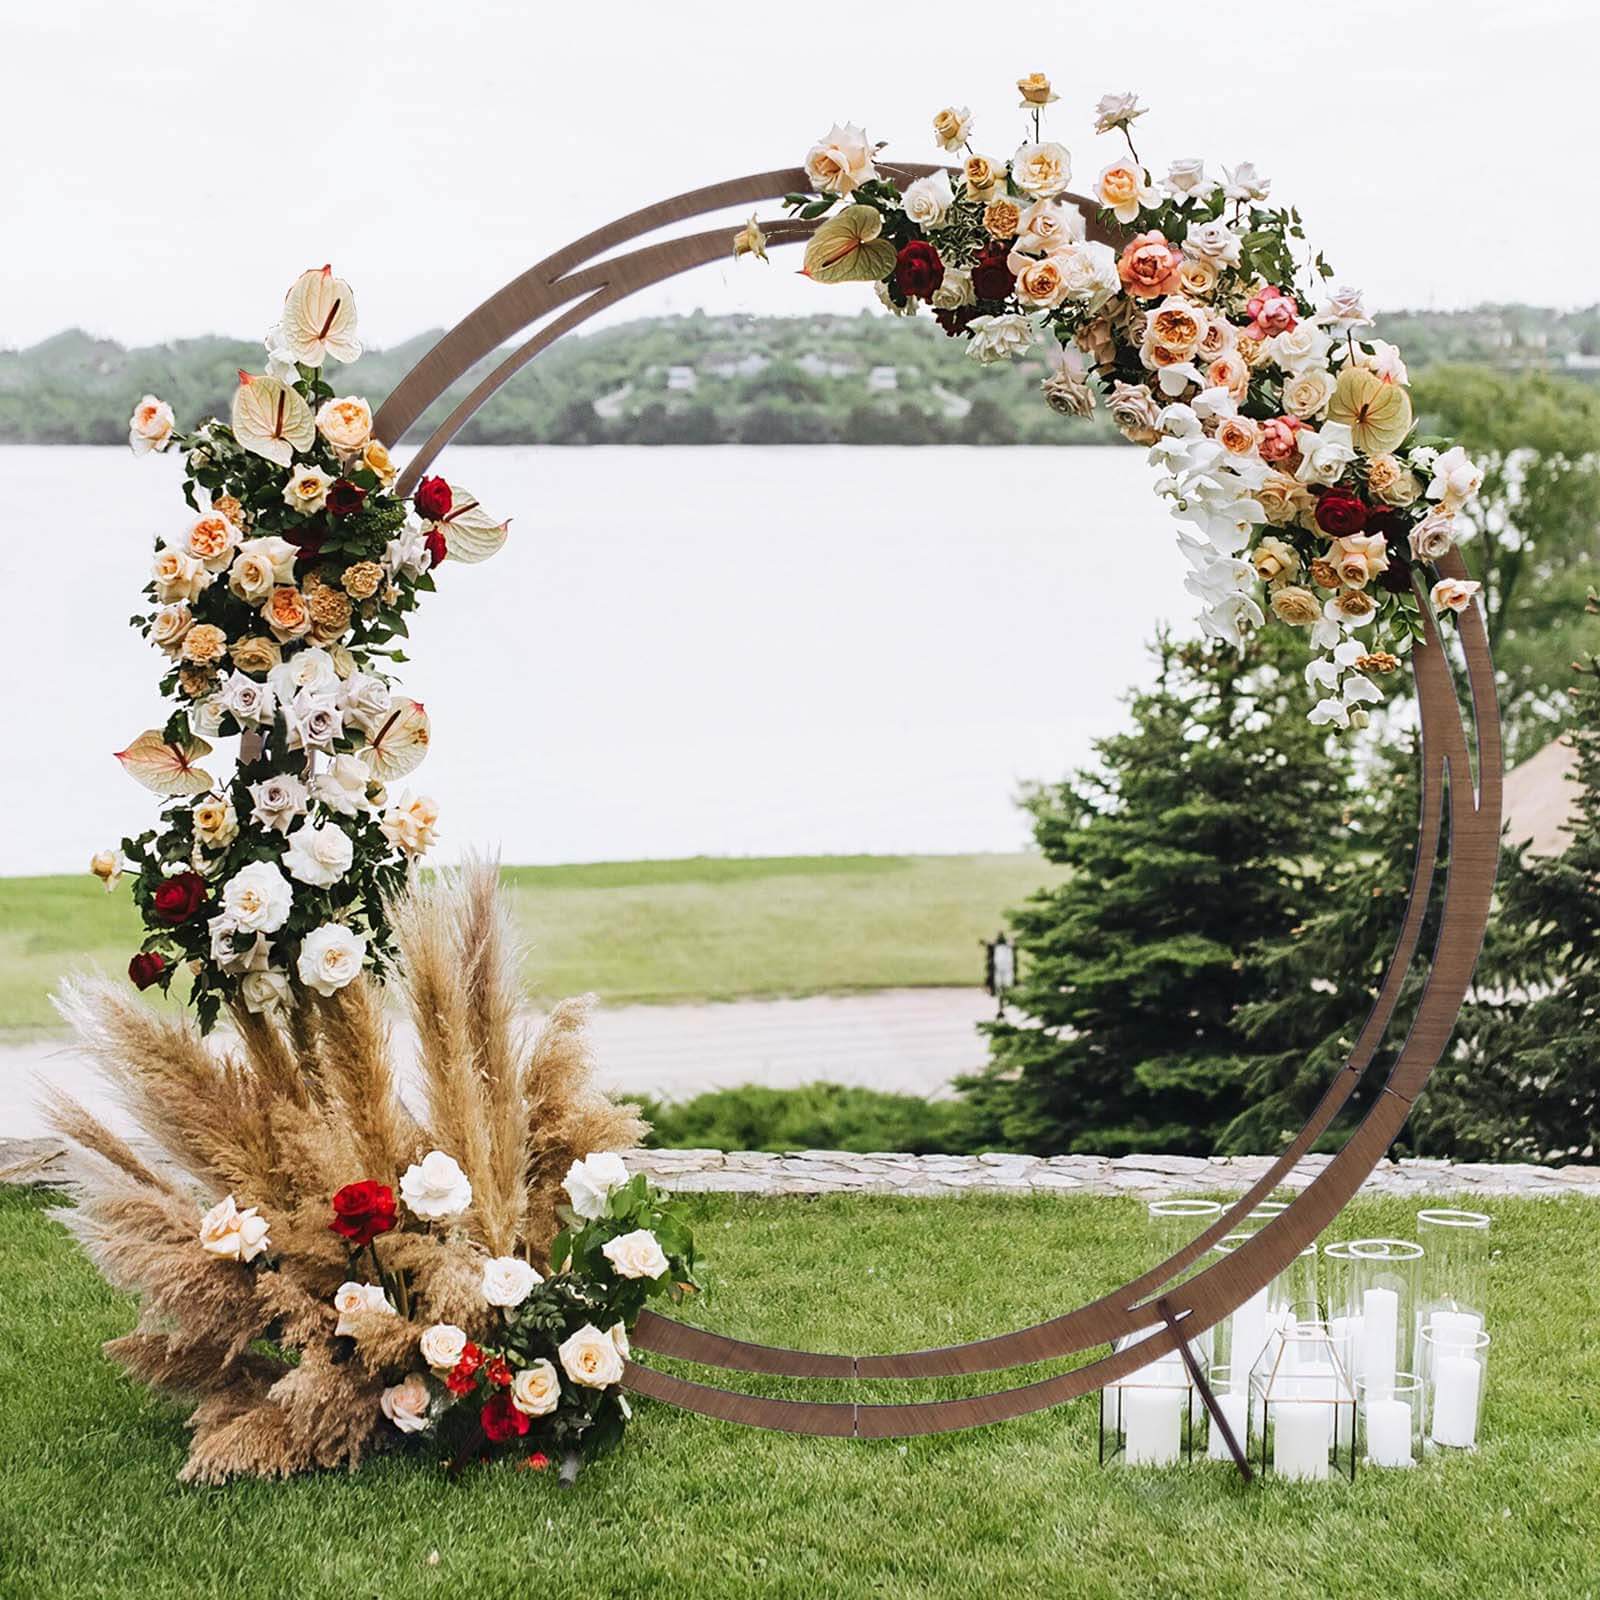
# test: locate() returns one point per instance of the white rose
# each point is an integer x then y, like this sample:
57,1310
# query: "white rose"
955,290
233,1234
1187,177
343,786
1343,309
1306,393
589,1358
314,720
1041,170
260,566
150,427
406,1404
1434,536
346,424
536,1390
319,855
1113,111
312,668
352,1298
635,1255
330,957
168,626
178,576
1243,182
1089,271
999,338
927,200
841,160
436,1187
1325,455
205,717
366,701
508,1281
278,801
441,1345
246,700
590,1183
1048,226
264,990
307,489
1456,478
1383,358
258,898
1213,241
1304,345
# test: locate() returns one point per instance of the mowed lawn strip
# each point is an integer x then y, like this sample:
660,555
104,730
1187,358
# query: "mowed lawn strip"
708,928
692,1507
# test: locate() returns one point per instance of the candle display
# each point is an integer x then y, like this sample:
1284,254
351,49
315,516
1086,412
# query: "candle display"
1380,1340
1388,1429
1457,1383
1300,1440
1236,1408
1455,1330
1153,1419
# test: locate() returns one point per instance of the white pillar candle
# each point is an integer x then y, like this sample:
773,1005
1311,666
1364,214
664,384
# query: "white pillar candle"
1153,1419
1456,1382
1380,1341
1108,1408
1236,1408
1346,1335
1388,1432
1249,1338
1455,1332
1300,1440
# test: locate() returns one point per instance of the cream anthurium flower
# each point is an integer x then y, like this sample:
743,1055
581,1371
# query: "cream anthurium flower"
319,320
635,1255
536,1389
591,1182
350,1299
330,957
436,1188
406,1405
271,419
589,1358
508,1281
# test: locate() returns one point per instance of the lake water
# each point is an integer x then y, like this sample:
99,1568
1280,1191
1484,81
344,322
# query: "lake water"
717,650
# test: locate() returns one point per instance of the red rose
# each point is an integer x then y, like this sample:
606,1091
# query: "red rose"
437,549
433,499
992,279
307,539
501,1420
344,498
146,967
361,1211
178,898
498,1373
918,271
1340,514
955,319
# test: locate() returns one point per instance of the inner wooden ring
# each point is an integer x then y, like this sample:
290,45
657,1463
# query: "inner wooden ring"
574,278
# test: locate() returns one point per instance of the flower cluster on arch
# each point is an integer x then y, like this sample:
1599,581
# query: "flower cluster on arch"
278,602
1285,439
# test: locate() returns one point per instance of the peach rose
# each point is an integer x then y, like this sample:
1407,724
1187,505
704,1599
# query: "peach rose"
1358,558
1453,594
1238,435
1274,560
1229,372
1040,281
168,627
982,176
1120,188
287,614
375,458
346,424
1149,266
211,540
1391,481
1282,497
151,425
1177,326
1298,607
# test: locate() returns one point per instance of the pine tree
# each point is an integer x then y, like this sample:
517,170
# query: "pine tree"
1200,836
1526,1083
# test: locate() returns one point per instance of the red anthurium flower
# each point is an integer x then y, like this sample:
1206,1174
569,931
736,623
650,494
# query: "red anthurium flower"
178,898
361,1211
146,968
433,499
501,1420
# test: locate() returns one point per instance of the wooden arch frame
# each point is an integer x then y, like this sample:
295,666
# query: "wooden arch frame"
584,279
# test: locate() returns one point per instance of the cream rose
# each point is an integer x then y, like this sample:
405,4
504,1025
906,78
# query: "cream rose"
589,1358
1047,225
168,626
1274,560
410,825
955,290
1434,536
1306,393
1453,594
1039,281
351,1299
1304,345
999,338
319,855
983,177
232,1234
536,1390
258,898
952,127
1282,498
635,1255
1041,170
1358,558
841,160
216,824
346,424
375,458
307,489
435,1187
406,1405
342,785
591,1182
151,425
1299,607
927,200
330,957
441,1346
264,989
1324,455
508,1281
178,576
1122,190
1391,481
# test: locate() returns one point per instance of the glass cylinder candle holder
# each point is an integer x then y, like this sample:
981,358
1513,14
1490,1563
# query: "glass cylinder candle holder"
1239,1339
1302,1411
1233,1401
1389,1421
1377,1328
1147,1418
1455,1275
1455,1368
1176,1223
1294,1292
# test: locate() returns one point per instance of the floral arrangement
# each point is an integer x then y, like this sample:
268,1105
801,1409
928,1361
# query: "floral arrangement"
278,602
1286,441
331,1275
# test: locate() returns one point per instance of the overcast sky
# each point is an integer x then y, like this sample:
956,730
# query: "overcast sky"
171,166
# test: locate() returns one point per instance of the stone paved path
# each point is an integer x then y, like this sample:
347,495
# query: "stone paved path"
913,1041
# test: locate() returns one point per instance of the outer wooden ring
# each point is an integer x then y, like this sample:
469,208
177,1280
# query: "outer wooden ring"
575,279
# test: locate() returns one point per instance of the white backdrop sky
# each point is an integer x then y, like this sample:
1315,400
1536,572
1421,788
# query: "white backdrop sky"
172,164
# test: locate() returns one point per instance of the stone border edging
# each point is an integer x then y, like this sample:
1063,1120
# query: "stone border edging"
801,1172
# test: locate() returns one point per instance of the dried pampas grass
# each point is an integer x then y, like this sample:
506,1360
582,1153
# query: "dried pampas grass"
291,1110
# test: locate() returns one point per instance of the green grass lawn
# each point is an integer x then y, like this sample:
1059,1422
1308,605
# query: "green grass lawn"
703,929
696,1508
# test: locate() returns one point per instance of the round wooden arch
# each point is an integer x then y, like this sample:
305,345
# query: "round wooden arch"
587,277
